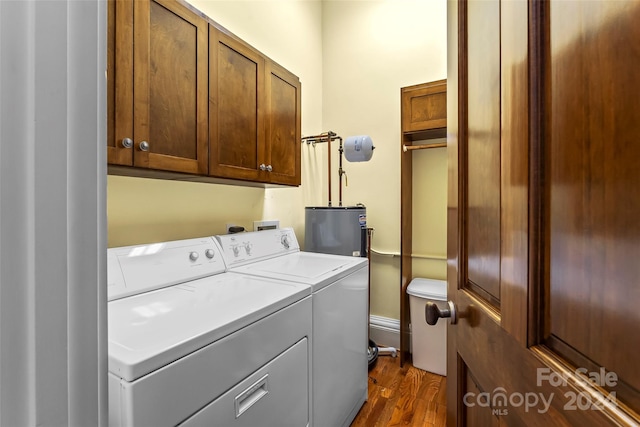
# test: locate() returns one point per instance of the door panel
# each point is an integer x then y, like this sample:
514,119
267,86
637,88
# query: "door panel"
172,89
514,171
239,93
564,302
119,81
594,230
235,114
477,411
283,125
424,107
170,78
483,194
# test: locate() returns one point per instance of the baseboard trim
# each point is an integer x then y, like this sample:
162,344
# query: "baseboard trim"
384,331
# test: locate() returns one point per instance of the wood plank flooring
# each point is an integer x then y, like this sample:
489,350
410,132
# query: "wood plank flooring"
405,396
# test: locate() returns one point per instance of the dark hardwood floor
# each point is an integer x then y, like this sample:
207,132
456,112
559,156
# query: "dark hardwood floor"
405,396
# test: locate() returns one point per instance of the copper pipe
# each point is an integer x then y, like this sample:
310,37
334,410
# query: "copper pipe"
325,137
340,173
329,167
369,237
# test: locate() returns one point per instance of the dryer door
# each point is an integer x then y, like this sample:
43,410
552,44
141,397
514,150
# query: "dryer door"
275,395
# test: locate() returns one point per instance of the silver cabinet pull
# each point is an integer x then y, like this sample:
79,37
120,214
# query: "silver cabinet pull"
127,142
144,146
269,168
263,167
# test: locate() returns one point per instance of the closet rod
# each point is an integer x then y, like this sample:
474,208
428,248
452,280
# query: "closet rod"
406,148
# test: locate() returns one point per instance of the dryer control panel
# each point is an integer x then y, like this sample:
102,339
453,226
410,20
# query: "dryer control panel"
241,248
141,268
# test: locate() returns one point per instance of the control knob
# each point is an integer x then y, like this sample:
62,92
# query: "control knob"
193,256
285,241
209,253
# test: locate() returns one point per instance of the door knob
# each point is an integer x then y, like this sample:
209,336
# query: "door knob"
144,146
432,312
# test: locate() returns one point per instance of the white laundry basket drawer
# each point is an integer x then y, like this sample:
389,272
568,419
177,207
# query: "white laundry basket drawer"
275,395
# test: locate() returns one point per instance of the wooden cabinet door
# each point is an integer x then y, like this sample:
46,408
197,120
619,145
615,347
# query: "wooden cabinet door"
283,131
424,107
120,83
236,116
170,87
544,237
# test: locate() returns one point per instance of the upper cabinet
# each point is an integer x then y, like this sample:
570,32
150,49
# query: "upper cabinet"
157,67
185,95
424,110
254,114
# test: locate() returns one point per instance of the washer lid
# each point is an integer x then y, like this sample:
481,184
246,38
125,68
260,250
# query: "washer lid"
428,288
150,330
311,268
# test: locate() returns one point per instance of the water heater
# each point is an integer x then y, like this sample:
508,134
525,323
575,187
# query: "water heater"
339,230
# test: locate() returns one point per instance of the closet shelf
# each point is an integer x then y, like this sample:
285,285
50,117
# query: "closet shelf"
426,134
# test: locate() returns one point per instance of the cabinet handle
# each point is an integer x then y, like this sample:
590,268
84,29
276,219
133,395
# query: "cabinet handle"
269,168
263,167
144,146
127,142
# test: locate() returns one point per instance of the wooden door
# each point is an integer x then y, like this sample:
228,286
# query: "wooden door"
236,115
170,87
543,217
283,131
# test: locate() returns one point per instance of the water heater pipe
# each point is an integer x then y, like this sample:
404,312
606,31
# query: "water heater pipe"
327,137
340,173
329,167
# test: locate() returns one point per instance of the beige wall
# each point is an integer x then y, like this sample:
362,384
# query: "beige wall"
371,50
430,213
352,58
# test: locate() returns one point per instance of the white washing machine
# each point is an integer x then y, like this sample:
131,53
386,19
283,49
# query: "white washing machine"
191,345
339,285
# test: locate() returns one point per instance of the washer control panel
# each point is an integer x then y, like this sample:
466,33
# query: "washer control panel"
241,248
141,268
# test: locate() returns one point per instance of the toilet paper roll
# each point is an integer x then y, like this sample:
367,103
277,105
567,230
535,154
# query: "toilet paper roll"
358,148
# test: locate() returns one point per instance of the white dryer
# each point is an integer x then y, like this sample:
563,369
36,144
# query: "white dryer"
339,297
192,345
